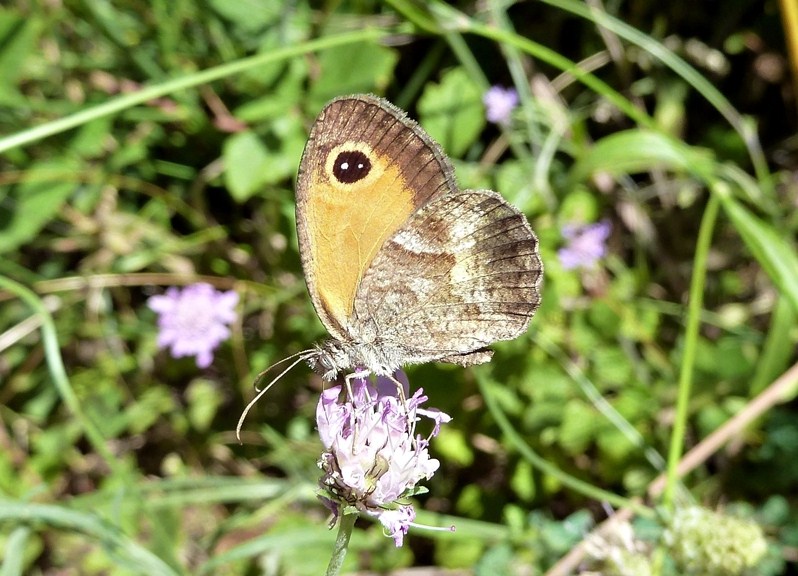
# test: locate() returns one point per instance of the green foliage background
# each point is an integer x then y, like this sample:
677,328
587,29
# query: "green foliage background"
151,144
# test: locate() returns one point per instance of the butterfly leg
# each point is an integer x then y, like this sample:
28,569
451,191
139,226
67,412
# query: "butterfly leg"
399,380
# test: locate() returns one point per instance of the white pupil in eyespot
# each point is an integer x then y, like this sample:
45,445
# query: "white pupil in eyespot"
345,166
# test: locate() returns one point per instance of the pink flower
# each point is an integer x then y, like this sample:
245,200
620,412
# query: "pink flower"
499,104
397,522
586,244
194,321
373,457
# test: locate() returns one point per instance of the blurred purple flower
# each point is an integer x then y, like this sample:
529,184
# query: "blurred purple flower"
372,457
499,104
586,244
193,321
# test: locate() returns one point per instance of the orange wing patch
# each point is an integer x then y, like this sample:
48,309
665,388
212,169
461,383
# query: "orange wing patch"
348,224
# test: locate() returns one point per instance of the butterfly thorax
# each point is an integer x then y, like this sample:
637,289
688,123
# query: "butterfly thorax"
332,357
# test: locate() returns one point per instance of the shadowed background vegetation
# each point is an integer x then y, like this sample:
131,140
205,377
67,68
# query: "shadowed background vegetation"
153,144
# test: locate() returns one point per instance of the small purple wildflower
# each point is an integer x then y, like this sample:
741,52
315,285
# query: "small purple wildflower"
587,243
397,522
372,457
499,103
193,321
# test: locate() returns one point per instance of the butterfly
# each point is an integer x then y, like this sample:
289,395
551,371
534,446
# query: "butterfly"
401,265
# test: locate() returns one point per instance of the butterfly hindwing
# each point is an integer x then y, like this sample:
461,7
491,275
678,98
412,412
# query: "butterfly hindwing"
460,274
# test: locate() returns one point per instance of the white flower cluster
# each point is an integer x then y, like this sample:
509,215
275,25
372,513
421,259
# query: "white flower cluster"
713,544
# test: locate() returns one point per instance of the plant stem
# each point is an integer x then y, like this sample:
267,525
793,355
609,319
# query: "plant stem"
690,344
341,544
150,92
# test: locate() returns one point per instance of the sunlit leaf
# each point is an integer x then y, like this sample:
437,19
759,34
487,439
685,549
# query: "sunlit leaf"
773,250
351,69
244,159
452,111
635,151
35,202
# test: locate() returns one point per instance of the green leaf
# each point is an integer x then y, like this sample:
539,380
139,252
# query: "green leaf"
639,151
611,366
204,400
18,36
349,69
452,445
496,560
513,182
283,77
579,426
244,159
249,15
91,139
125,551
36,200
779,346
772,250
279,101
452,111
14,548
580,205
615,445
523,481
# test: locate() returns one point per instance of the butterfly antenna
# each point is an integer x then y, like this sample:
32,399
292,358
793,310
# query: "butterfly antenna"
265,371
300,356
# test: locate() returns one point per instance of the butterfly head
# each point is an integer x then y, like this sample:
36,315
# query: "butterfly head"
328,359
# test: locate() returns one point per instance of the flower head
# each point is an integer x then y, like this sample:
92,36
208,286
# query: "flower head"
707,542
372,457
586,244
193,321
499,104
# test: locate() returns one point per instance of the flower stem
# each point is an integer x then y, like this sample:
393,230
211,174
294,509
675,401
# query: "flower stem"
691,335
341,544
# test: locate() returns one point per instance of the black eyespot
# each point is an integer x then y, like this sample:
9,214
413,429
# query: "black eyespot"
351,166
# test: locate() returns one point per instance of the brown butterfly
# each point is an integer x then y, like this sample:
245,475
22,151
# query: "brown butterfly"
401,265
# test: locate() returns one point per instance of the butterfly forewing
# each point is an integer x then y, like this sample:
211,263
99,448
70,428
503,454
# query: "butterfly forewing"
365,170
